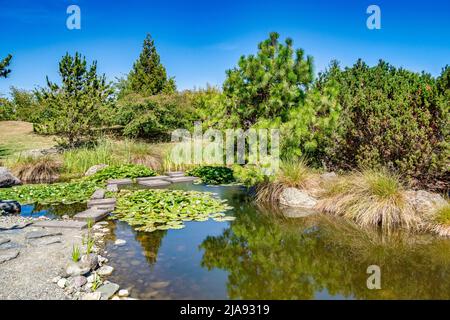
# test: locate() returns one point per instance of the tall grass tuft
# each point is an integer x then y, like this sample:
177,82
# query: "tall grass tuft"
441,223
45,169
371,199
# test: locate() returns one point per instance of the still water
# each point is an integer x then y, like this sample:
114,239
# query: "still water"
262,255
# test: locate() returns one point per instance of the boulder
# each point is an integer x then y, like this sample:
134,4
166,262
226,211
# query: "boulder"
7,179
74,270
424,202
89,261
94,169
293,197
10,207
108,290
105,271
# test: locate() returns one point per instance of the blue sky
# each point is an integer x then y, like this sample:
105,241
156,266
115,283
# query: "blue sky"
199,40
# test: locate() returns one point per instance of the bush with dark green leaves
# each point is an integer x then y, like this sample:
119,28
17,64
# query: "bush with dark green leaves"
212,175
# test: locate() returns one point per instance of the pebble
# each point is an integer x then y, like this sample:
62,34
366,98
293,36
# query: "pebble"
159,284
56,279
120,242
78,282
105,270
124,293
62,283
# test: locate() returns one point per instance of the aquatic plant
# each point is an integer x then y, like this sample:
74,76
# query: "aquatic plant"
57,193
150,210
122,171
212,174
371,199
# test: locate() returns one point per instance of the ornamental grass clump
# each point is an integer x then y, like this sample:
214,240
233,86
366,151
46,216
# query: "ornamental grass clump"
371,199
441,223
45,169
150,210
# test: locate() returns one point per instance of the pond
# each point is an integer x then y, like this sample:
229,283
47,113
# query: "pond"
262,255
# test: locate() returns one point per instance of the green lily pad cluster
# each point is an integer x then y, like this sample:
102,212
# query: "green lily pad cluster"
121,172
212,174
150,210
57,193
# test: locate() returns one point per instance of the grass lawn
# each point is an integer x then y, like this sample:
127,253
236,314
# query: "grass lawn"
18,136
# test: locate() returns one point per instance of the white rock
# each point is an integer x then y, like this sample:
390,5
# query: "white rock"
124,293
56,279
105,270
120,242
92,296
62,283
91,278
293,197
115,298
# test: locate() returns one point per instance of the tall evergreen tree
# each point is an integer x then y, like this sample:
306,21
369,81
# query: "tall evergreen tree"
4,71
149,76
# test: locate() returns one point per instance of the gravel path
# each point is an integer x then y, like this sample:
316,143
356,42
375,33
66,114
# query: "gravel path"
42,255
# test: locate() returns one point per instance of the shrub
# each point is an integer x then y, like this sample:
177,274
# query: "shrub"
121,172
249,175
213,175
371,199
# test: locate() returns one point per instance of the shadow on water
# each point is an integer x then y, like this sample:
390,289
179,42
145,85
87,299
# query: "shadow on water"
263,255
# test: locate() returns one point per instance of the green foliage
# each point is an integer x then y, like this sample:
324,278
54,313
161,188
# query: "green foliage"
249,175
442,215
73,109
76,253
57,193
4,71
148,76
391,118
121,172
151,210
6,110
25,105
267,85
212,175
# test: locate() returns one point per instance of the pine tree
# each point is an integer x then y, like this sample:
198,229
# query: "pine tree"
148,76
73,108
4,71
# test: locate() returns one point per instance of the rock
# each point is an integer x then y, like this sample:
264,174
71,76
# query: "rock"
105,270
75,270
115,298
78,281
98,194
44,241
65,217
10,207
7,179
112,188
88,286
89,261
292,212
424,202
124,293
120,242
94,169
6,255
159,284
62,283
92,296
56,279
293,197
108,290
4,240
102,260
41,234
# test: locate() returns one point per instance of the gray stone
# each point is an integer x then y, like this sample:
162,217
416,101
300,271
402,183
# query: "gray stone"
123,293
175,173
41,234
120,181
154,183
10,206
98,194
112,188
92,296
6,255
62,283
100,203
424,202
16,226
105,271
4,240
61,224
44,241
151,178
10,245
94,169
78,281
293,197
89,261
7,179
92,214
176,179
74,270
108,290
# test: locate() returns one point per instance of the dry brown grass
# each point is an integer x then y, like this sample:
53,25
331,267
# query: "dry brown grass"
18,136
44,169
370,199
441,222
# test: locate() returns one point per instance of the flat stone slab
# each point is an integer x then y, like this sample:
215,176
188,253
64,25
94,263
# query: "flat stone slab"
102,202
4,240
17,226
155,183
63,224
181,179
120,181
8,255
151,178
10,245
92,214
98,194
175,173
41,234
44,241
112,188
108,290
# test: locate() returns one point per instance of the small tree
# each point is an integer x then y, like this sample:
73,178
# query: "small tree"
268,84
73,108
4,71
148,76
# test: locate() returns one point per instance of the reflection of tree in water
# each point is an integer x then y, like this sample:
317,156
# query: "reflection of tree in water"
272,258
150,242
61,209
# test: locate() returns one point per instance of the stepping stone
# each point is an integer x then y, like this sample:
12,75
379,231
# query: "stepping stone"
120,181
98,194
93,214
63,224
4,240
181,179
175,174
101,203
41,234
8,255
151,178
112,188
17,226
155,183
10,245
108,290
44,241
